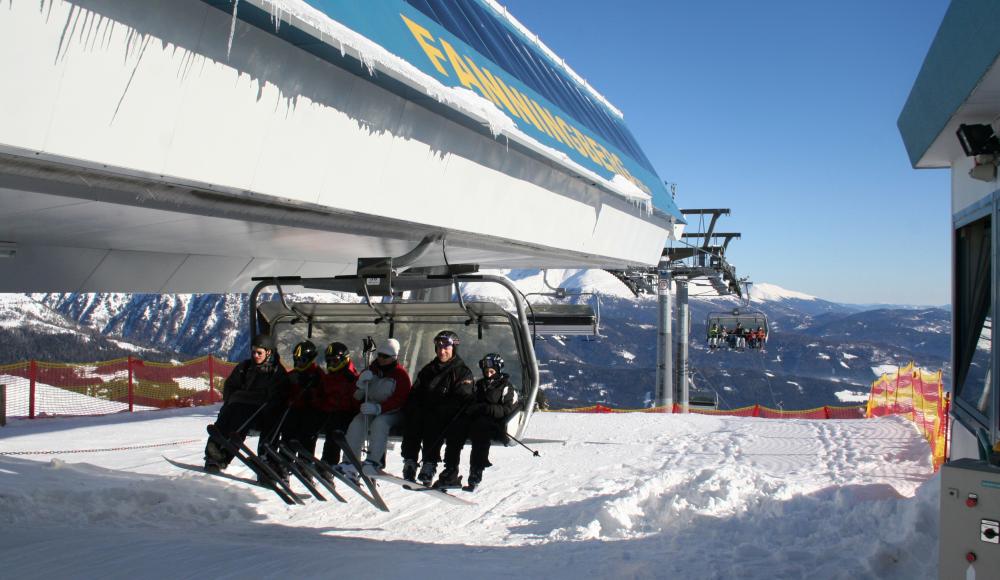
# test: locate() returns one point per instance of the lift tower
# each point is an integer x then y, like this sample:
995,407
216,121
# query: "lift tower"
680,265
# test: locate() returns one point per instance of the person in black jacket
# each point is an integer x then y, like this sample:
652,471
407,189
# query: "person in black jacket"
485,419
258,388
442,390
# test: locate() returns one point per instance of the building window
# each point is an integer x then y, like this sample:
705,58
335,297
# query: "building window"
973,300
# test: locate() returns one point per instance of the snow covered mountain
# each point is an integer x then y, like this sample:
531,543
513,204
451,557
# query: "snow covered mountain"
819,352
30,329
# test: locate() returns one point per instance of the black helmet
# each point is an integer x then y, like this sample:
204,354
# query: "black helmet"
304,353
336,350
337,355
491,361
264,341
447,338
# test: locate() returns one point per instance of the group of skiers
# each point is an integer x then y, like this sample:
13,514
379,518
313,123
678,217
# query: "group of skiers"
738,337
444,406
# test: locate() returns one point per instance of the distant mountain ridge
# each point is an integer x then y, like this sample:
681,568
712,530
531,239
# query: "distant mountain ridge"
819,352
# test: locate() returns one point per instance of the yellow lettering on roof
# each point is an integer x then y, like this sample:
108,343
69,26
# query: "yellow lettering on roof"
521,106
463,73
523,109
424,39
489,84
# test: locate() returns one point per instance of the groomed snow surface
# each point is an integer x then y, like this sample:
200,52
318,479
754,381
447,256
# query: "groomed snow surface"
622,496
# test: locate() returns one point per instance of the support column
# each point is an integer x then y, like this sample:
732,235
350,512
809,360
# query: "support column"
683,338
664,346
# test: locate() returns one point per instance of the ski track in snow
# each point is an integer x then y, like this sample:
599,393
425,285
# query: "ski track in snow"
633,496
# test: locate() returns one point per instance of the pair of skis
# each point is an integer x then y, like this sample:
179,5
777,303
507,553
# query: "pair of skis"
440,493
295,460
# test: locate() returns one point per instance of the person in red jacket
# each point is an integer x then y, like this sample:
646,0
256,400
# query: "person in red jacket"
382,390
339,384
305,413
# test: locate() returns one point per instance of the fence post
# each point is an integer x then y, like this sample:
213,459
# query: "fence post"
32,377
895,394
131,387
211,381
826,411
3,405
756,410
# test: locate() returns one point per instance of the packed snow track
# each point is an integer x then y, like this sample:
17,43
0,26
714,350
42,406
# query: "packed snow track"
624,496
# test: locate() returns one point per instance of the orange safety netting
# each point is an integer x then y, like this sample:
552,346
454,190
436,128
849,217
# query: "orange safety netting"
42,389
919,396
826,412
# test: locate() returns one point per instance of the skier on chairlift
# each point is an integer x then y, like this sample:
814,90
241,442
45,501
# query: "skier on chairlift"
713,335
306,415
760,337
442,389
739,333
382,390
254,395
339,383
484,419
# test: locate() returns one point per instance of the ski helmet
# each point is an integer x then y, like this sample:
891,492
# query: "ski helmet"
337,355
304,353
447,338
491,361
264,341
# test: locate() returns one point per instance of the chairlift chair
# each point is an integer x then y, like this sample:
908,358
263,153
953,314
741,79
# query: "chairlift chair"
705,400
564,319
747,318
483,326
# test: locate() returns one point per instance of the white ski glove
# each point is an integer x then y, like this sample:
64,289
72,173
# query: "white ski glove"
371,409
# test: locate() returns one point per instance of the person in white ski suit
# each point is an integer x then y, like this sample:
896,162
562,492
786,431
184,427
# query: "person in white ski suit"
383,389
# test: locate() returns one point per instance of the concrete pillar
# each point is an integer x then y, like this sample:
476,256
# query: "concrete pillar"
664,346
683,338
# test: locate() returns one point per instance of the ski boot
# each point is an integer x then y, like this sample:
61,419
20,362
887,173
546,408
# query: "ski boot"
214,466
277,469
347,470
370,468
215,458
427,471
475,478
410,470
449,478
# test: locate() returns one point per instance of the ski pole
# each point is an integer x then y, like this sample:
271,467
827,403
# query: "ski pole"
519,442
248,421
367,350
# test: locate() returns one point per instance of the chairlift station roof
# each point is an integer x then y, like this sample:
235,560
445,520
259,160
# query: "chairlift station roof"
174,146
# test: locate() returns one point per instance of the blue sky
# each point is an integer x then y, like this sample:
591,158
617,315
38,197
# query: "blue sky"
784,112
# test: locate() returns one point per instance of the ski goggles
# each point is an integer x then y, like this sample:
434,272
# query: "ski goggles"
445,341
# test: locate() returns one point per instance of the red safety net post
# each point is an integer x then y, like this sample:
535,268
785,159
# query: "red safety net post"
131,387
211,380
826,412
32,378
756,411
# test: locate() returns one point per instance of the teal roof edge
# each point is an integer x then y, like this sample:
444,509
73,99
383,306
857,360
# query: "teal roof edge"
965,47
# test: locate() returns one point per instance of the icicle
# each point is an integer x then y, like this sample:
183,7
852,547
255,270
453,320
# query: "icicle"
232,29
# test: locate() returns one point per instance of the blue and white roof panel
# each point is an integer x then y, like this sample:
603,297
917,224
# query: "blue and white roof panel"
470,44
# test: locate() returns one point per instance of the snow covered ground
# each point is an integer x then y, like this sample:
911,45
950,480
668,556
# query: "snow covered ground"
621,496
